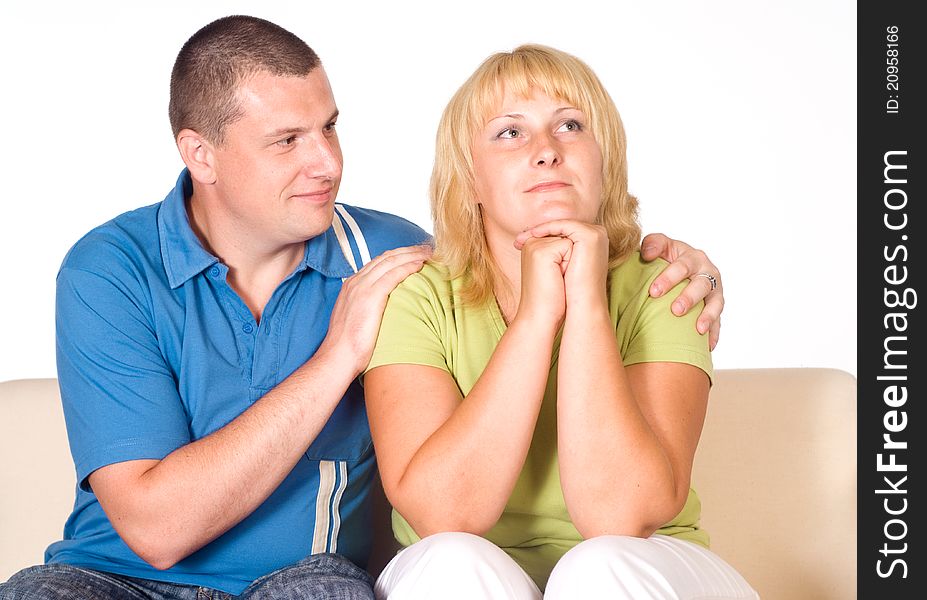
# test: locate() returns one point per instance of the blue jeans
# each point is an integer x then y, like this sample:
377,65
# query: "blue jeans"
317,577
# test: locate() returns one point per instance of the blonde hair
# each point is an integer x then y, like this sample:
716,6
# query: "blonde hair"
460,242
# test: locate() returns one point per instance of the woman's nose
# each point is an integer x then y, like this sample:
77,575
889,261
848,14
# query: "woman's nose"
546,153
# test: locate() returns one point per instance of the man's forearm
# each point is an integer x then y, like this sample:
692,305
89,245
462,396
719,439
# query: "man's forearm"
167,509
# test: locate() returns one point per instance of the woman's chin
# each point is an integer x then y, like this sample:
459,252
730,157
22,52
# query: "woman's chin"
557,214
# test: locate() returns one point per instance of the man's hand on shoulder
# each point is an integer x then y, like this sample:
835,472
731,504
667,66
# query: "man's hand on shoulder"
687,262
355,320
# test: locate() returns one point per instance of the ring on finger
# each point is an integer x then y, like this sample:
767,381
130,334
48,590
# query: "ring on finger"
711,279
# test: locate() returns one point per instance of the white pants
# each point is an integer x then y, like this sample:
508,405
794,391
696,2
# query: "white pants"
450,566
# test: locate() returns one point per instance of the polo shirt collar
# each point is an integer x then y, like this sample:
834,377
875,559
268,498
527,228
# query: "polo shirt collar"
323,253
184,257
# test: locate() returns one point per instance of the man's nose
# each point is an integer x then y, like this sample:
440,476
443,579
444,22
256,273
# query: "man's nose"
322,157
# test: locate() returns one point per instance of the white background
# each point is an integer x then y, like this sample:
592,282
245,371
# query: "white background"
741,121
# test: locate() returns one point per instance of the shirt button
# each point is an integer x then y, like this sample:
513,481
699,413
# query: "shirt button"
214,271
247,327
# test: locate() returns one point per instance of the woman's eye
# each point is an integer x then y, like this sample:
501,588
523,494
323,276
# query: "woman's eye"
508,133
571,125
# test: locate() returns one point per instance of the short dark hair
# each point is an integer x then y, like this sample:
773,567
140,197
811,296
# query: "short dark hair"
212,63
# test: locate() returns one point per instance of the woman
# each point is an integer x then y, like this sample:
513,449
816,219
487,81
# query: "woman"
535,413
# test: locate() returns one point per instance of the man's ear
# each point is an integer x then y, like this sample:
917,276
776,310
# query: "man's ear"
198,154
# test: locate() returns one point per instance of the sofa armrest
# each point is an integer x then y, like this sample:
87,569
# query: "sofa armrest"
36,470
776,472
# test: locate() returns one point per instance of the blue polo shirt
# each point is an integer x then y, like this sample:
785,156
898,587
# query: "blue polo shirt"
155,350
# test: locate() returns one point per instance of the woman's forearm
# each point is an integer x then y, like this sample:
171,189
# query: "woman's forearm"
616,476
461,477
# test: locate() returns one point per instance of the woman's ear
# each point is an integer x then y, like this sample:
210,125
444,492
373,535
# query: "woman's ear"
198,154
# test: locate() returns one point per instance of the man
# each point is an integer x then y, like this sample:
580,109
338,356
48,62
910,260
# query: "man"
208,349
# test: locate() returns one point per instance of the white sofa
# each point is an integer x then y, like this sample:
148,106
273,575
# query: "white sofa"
775,469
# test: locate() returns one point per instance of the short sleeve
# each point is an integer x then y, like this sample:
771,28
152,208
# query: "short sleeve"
414,326
657,335
120,399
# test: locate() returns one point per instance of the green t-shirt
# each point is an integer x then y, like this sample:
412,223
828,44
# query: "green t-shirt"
424,325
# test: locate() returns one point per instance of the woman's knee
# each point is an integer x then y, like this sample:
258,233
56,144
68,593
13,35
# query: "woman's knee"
602,557
658,567
454,565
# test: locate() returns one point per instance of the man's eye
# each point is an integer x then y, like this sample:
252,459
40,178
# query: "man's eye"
330,126
287,141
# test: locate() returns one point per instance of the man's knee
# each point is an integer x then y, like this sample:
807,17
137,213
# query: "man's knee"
54,582
316,577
